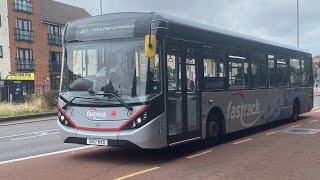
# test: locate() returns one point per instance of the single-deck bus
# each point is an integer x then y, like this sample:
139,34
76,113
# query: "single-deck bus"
151,80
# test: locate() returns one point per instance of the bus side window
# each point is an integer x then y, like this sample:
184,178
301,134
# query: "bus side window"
283,72
306,69
173,72
238,70
294,72
259,69
273,77
214,71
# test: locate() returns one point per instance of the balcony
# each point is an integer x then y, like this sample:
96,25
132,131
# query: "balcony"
55,66
55,40
24,35
23,6
25,64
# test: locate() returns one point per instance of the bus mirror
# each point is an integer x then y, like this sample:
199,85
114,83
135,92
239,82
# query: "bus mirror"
150,46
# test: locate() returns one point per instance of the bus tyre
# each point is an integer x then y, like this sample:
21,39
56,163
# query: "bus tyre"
295,111
214,132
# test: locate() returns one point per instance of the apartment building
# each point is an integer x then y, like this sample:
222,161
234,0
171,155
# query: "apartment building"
31,41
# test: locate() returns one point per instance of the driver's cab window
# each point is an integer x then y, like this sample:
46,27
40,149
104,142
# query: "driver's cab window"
147,73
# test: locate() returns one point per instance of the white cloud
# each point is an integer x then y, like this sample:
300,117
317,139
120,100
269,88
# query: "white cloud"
268,19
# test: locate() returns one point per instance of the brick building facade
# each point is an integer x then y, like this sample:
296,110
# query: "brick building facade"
34,45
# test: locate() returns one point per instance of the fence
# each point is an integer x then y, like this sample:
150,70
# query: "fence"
19,93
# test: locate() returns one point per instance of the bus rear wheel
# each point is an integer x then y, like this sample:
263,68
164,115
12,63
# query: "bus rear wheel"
295,111
214,131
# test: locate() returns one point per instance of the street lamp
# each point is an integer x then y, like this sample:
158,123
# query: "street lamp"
101,7
298,23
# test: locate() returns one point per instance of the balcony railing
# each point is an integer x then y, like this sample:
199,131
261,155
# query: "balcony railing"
24,6
25,64
55,66
55,40
24,35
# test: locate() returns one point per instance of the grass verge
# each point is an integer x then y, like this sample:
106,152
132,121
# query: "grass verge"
34,106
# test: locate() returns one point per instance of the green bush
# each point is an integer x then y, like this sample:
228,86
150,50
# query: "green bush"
51,99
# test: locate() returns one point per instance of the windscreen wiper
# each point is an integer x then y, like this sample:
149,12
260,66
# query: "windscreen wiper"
130,108
69,102
75,40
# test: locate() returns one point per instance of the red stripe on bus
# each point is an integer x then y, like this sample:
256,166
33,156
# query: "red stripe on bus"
103,129
241,94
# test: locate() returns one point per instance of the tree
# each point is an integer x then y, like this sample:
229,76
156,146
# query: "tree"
315,70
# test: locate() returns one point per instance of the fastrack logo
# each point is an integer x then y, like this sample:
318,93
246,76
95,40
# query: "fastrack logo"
97,115
241,111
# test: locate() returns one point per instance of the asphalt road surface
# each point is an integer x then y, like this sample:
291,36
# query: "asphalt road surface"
28,139
282,150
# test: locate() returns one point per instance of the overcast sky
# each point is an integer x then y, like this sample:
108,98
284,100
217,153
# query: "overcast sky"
267,19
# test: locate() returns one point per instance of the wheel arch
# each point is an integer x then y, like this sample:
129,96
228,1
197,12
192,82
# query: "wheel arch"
217,111
296,99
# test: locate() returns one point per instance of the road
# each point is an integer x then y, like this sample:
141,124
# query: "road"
28,139
260,153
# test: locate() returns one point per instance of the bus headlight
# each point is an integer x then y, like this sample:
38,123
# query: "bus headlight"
63,119
144,116
139,120
133,124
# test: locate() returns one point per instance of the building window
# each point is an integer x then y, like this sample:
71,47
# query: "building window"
54,35
25,61
23,5
1,52
23,30
55,69
55,61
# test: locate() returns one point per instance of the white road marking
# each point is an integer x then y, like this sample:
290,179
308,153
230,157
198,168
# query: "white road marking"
314,121
317,111
239,142
47,154
37,132
271,133
42,134
298,125
200,154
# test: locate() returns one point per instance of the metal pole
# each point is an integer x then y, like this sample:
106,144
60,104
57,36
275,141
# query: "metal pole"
298,29
101,7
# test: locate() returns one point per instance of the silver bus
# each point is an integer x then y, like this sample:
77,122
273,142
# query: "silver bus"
153,81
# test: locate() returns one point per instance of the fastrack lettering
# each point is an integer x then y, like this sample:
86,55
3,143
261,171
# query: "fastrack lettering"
242,110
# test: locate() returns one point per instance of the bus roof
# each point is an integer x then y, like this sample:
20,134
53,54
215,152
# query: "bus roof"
182,27
212,29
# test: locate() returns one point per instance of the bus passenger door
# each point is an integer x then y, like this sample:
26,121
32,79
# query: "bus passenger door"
183,100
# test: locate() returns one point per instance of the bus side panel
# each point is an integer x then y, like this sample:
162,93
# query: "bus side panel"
306,99
248,108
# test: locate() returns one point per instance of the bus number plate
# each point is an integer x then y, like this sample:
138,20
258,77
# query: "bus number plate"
101,142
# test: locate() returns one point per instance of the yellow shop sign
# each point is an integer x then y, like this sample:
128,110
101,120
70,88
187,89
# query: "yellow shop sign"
20,76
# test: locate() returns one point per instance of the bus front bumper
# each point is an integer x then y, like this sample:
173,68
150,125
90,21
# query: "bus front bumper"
149,136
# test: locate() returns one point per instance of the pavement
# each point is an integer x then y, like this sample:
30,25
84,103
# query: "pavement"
317,92
34,151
